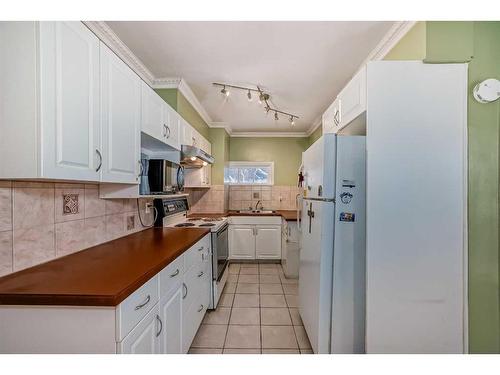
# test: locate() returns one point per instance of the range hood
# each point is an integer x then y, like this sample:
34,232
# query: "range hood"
193,157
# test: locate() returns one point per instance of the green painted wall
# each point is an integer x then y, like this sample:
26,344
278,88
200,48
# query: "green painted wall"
477,43
169,95
316,135
286,153
220,151
412,46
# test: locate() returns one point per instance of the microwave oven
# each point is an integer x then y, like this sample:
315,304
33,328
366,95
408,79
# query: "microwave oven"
163,176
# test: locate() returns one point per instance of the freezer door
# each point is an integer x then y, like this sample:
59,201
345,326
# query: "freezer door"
315,272
319,168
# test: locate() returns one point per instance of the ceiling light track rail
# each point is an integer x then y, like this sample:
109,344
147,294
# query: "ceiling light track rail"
263,98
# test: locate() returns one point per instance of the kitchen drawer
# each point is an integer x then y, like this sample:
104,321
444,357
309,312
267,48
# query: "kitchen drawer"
198,253
171,275
135,307
194,280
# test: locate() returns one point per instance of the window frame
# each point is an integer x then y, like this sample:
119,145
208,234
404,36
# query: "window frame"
251,164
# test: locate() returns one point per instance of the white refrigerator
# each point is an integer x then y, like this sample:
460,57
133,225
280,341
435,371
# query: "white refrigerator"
332,257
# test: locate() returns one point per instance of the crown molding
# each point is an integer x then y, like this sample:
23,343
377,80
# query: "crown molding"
183,87
109,38
398,30
316,124
270,134
221,125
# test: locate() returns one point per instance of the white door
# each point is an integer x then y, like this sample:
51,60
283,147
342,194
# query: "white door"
268,241
143,339
353,98
121,119
171,135
152,113
171,316
242,242
69,72
416,228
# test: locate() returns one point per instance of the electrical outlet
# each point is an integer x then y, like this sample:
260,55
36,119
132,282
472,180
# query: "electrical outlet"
149,205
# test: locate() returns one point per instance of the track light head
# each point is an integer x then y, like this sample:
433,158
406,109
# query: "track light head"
249,96
224,91
292,122
276,116
267,109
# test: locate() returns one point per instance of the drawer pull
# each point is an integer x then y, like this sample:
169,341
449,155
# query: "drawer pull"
138,307
201,274
201,308
186,290
201,248
175,273
161,325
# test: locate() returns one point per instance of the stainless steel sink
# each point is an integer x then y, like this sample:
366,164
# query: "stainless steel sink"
256,212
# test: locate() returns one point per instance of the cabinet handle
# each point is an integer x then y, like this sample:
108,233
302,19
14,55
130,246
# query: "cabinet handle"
194,141
201,248
201,308
138,307
200,274
164,130
141,169
168,132
161,325
100,160
175,273
336,117
186,291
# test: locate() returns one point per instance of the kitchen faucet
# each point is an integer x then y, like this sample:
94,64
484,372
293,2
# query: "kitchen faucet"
256,205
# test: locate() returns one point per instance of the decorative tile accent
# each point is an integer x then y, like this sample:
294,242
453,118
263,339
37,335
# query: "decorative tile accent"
70,204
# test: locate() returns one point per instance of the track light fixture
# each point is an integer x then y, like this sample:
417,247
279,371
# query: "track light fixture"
224,91
263,98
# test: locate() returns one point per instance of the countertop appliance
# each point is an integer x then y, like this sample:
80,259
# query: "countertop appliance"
332,256
172,213
164,176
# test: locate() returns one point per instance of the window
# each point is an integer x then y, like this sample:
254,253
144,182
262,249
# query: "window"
249,173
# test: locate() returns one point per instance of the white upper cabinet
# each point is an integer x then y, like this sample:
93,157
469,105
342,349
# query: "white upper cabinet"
121,119
331,118
158,119
152,113
69,86
171,126
187,132
50,110
349,104
353,98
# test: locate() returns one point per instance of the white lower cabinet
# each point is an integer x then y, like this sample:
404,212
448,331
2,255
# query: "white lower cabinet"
156,318
144,338
242,242
255,237
172,320
268,242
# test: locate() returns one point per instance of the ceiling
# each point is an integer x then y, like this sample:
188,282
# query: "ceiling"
303,65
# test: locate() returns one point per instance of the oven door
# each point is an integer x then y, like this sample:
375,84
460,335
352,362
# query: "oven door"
220,249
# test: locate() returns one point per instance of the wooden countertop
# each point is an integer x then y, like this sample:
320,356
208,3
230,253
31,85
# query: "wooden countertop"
102,275
289,215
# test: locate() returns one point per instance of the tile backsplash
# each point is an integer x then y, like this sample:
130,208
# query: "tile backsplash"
208,200
40,221
242,197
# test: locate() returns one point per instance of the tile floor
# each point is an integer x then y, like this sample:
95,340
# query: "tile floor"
257,314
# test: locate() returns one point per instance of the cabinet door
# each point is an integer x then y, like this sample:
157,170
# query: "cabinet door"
242,242
172,126
144,338
152,115
187,132
171,317
69,94
331,118
268,241
353,98
121,119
